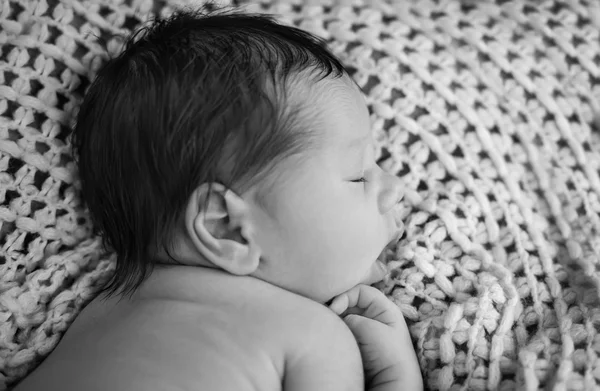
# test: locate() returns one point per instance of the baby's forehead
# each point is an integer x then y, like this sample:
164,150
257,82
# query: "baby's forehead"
332,99
326,97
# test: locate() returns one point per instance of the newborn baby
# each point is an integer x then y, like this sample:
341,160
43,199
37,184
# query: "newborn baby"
228,160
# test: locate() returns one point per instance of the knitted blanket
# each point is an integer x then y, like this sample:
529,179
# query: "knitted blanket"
485,109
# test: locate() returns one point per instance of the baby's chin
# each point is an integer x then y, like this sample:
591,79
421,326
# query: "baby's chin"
376,273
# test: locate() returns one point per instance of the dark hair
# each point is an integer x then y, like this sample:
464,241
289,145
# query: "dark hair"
194,98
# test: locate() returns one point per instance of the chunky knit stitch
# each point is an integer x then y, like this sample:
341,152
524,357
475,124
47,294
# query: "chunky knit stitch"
485,110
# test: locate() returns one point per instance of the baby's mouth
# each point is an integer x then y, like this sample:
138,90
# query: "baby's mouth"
398,232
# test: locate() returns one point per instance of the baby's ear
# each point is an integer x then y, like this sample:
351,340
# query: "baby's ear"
218,223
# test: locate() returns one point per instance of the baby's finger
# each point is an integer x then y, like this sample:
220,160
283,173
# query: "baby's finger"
372,302
339,304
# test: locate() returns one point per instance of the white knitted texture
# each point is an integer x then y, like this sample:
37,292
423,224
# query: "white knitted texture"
484,109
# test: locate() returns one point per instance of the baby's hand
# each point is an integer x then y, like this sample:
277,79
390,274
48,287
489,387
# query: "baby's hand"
389,360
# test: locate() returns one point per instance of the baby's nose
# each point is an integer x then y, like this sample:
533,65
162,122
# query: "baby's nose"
392,192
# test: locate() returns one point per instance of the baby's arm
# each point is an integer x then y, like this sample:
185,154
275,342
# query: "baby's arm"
328,360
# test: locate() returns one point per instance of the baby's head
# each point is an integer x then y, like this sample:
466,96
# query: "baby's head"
228,140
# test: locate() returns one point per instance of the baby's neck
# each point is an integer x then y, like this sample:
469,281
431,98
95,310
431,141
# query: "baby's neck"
205,285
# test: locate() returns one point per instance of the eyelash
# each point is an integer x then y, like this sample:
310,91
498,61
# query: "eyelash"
360,180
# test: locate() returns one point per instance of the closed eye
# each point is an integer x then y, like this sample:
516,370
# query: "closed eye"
360,180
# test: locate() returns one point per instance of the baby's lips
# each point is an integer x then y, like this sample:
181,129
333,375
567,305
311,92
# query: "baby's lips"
375,274
398,219
398,232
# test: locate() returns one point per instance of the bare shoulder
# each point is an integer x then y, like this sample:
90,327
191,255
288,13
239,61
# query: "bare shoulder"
182,326
320,351
314,321
292,315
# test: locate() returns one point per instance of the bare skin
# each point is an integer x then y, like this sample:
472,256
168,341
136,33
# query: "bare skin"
188,329
246,311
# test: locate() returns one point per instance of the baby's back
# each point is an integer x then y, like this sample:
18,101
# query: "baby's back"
186,329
